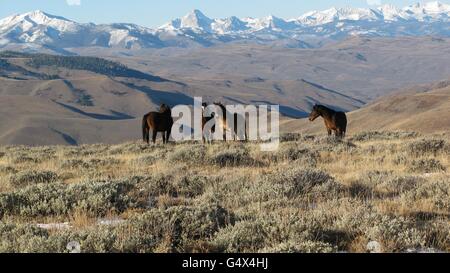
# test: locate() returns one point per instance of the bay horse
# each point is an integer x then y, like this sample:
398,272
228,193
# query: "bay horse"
334,121
161,121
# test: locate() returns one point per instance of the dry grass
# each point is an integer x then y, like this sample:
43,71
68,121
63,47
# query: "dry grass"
316,194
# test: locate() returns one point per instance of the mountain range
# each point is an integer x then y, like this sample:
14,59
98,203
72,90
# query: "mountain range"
40,31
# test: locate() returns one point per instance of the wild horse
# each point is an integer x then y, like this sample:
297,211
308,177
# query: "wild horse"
161,121
334,121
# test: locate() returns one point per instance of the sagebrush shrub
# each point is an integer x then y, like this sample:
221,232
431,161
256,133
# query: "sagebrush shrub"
396,234
130,148
297,182
400,160
73,164
437,192
400,184
92,163
301,247
244,236
383,135
23,238
181,225
26,178
145,160
290,137
24,158
158,184
191,185
192,154
7,169
334,144
426,166
426,146
232,158
293,153
96,198
375,177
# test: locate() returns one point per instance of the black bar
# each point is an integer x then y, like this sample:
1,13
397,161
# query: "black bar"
227,262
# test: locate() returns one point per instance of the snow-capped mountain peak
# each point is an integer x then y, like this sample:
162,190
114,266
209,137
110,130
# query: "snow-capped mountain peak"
41,17
335,15
229,25
430,7
37,19
427,11
196,20
390,12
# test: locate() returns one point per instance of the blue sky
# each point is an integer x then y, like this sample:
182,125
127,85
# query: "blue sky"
153,13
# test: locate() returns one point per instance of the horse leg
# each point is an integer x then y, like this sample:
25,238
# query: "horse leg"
168,133
155,133
164,137
146,136
330,132
145,130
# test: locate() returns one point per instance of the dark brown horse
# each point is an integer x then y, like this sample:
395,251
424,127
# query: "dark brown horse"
161,121
334,121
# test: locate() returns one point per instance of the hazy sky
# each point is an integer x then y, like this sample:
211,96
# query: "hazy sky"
153,13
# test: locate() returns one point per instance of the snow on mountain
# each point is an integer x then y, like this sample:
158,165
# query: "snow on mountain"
39,29
229,25
386,20
28,21
428,11
335,15
391,13
196,20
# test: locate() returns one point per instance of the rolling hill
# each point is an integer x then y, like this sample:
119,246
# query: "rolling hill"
424,109
49,99
361,68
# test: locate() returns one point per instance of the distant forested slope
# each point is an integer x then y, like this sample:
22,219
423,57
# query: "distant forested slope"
92,64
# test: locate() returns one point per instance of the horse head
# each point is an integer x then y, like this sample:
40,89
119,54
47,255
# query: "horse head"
315,113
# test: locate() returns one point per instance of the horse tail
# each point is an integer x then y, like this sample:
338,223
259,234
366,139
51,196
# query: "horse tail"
145,129
344,133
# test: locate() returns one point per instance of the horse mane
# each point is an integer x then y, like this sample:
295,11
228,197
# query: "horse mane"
324,108
165,109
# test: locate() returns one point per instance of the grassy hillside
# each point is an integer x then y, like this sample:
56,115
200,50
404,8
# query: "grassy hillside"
315,194
423,109
47,99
